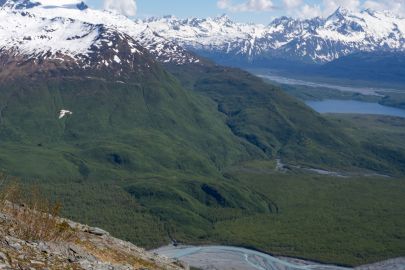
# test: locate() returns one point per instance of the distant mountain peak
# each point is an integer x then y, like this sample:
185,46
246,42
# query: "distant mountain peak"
19,4
82,6
71,35
339,14
222,18
28,4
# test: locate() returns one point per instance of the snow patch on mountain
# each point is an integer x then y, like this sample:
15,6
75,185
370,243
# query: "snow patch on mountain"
29,35
53,28
24,4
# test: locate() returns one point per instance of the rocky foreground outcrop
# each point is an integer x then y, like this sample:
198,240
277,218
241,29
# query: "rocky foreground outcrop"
68,245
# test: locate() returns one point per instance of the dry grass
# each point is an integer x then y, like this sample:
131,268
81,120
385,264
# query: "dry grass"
111,254
33,217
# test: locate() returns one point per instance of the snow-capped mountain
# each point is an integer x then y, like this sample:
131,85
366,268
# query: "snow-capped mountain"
68,33
315,40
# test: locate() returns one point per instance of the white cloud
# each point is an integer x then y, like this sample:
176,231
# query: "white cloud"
289,4
395,6
374,5
309,11
303,9
125,7
327,7
248,5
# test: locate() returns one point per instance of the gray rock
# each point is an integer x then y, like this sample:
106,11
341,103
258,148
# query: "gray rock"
96,231
72,258
4,266
37,262
74,249
44,248
3,217
78,254
16,246
3,257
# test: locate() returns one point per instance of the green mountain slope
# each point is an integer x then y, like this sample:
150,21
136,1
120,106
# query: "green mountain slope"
281,126
137,149
146,127
380,67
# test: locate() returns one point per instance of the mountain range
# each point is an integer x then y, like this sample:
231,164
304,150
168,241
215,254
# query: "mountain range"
300,47
317,40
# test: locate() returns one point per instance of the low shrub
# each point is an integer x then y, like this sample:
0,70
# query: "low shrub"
32,216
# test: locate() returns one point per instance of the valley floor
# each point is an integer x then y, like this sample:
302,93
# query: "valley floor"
227,258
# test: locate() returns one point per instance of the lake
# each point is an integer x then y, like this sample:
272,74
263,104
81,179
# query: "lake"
351,106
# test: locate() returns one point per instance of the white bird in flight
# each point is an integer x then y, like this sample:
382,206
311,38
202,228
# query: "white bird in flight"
63,113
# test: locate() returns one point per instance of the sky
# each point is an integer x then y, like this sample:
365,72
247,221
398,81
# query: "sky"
255,11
